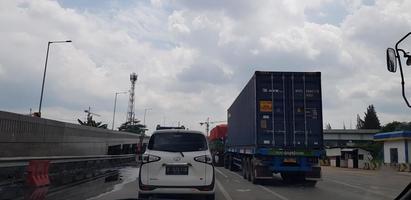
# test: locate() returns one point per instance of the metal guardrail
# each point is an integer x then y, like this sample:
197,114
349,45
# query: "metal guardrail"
24,161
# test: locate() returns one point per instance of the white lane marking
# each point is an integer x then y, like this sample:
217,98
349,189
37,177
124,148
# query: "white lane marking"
273,193
243,190
225,176
360,188
225,193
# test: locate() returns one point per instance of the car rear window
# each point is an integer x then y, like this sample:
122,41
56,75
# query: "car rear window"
177,142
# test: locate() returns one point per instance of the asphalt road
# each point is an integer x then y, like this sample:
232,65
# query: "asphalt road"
337,183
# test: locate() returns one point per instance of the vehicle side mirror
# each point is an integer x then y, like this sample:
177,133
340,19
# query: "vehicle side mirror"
391,60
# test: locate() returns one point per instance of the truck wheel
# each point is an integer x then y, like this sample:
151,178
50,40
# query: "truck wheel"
225,161
230,163
290,177
244,167
310,183
248,172
286,177
252,173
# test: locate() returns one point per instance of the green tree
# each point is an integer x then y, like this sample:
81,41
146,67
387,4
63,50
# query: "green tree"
371,120
396,126
92,123
360,122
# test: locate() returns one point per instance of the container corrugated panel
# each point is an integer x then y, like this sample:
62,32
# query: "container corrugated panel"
278,109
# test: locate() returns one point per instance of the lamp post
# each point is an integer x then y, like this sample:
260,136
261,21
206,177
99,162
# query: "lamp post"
45,69
115,104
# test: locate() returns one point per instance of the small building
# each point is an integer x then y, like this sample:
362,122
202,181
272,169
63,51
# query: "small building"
397,146
348,157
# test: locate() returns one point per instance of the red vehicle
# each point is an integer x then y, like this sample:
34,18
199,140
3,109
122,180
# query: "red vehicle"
217,142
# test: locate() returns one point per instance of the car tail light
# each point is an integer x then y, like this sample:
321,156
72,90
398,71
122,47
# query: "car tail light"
204,159
147,158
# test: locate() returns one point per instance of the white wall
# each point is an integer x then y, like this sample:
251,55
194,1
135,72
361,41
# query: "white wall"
333,162
399,144
333,152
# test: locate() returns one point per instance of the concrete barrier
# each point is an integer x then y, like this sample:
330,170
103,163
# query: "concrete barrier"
22,135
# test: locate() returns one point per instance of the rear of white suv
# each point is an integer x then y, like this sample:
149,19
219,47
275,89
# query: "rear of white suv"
177,162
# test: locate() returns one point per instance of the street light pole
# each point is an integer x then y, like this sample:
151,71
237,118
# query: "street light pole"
115,105
45,70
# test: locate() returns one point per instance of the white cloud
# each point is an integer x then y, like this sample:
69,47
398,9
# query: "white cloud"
176,23
193,58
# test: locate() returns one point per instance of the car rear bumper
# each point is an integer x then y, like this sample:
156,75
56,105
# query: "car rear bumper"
176,190
156,189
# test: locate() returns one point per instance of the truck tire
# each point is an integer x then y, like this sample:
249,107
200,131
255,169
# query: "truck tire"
244,168
287,177
310,183
293,177
248,173
251,178
225,161
230,163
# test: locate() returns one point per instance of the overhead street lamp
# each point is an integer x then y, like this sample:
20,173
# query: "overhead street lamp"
45,69
114,110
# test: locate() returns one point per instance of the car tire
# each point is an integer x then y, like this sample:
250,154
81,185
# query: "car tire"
143,196
210,197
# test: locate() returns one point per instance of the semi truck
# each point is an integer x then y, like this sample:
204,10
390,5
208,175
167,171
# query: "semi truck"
275,126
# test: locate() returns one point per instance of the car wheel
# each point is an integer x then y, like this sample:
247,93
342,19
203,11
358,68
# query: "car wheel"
143,196
210,197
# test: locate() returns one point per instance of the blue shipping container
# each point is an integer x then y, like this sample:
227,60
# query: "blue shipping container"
278,110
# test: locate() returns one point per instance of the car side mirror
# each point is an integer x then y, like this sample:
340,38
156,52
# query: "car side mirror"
391,60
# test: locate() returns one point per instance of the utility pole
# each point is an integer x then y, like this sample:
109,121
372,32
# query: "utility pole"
114,110
44,73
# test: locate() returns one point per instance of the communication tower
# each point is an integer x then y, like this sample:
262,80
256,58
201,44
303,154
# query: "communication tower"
130,111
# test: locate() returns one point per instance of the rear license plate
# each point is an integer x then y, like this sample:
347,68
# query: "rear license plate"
290,160
177,170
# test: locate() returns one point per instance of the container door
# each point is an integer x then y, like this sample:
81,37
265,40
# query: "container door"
313,110
306,111
289,110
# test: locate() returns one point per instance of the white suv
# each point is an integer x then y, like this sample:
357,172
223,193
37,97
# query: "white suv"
177,162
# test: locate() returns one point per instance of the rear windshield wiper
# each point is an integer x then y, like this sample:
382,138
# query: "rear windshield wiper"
181,153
